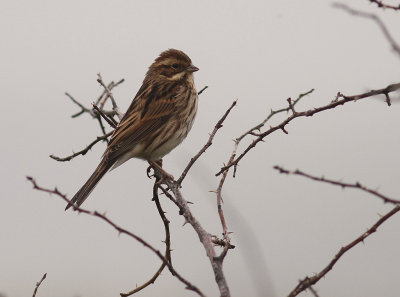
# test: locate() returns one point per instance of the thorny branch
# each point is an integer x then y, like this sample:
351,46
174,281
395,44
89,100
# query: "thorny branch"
225,232
120,230
376,19
205,237
38,284
82,152
167,245
207,145
271,114
101,99
380,4
96,113
309,281
308,113
110,95
355,185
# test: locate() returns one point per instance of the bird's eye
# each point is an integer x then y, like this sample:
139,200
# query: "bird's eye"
175,65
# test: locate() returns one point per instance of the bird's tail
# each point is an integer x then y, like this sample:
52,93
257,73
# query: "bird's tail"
91,183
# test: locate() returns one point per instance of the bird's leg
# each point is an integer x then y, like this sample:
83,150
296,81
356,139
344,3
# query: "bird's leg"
158,166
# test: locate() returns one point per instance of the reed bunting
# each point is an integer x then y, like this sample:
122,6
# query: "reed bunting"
158,119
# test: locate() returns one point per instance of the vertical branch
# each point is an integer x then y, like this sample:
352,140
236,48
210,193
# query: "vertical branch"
167,246
204,237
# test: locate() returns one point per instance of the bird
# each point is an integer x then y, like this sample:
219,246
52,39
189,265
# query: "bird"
158,119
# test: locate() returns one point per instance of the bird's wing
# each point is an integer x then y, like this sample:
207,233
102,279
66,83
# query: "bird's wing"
149,111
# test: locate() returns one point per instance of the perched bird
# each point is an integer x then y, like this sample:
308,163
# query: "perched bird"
158,119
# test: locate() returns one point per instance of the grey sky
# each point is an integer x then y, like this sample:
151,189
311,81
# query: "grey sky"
260,52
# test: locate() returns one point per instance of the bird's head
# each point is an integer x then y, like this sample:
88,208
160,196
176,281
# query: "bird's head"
173,65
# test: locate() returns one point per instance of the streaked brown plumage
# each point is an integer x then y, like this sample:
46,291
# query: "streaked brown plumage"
158,119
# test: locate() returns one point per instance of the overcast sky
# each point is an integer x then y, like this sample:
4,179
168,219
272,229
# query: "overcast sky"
259,52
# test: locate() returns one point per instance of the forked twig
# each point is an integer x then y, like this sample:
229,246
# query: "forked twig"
109,94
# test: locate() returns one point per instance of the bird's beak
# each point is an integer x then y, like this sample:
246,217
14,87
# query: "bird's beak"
192,68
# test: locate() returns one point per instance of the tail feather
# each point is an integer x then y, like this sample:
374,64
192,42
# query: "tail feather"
91,183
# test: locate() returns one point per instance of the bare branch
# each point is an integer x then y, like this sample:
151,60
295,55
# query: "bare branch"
84,151
38,284
104,96
376,19
120,230
309,281
380,4
225,231
356,185
167,245
335,103
204,237
109,94
207,145
83,108
271,114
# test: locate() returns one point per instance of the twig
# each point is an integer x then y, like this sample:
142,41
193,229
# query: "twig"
38,284
207,145
165,222
356,185
83,108
313,291
380,4
308,113
120,230
376,19
103,129
167,245
202,90
100,112
82,152
109,94
225,231
104,96
309,281
271,114
109,120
